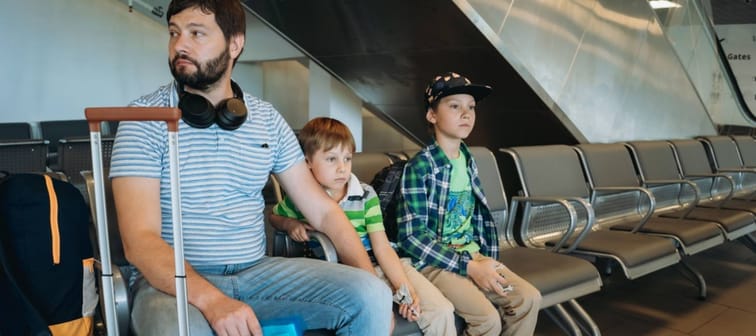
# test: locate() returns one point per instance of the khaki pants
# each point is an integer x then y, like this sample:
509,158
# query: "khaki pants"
437,318
488,313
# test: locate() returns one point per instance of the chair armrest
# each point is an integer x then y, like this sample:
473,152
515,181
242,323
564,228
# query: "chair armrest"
696,194
121,297
328,248
565,202
730,182
284,246
737,170
641,190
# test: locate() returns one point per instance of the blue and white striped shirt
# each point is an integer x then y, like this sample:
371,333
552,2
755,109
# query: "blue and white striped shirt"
222,174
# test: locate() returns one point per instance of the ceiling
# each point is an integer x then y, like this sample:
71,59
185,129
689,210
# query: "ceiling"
387,51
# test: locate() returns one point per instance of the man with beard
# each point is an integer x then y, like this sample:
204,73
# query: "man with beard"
229,143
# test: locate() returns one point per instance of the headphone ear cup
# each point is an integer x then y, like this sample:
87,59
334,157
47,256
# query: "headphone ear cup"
196,111
231,113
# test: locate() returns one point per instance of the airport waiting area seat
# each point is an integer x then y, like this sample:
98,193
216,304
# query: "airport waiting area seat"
75,156
15,131
657,163
23,156
549,188
560,278
366,164
657,166
120,267
747,149
622,203
726,158
54,130
717,189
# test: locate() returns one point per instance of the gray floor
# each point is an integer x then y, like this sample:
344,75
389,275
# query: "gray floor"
665,302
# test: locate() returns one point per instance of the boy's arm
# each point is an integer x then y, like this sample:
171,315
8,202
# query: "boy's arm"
285,217
392,268
324,215
384,253
412,221
296,229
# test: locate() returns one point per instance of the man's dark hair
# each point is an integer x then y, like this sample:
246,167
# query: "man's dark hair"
229,14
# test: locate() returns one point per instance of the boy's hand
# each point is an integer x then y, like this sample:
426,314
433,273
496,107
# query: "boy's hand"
409,303
298,232
483,271
411,312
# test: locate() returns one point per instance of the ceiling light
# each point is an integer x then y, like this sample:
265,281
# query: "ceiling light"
657,4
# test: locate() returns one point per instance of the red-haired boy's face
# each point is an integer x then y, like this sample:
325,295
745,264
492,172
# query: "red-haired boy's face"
332,168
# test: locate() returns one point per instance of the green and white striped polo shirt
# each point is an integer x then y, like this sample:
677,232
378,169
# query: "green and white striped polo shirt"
360,204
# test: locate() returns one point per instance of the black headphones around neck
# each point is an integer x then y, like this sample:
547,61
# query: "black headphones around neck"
198,112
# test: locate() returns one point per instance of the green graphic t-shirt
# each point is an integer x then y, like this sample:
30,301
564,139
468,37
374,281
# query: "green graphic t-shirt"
458,230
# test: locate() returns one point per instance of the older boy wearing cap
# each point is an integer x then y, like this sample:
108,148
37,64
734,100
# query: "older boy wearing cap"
445,225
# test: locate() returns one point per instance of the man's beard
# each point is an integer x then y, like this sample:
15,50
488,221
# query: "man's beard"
207,74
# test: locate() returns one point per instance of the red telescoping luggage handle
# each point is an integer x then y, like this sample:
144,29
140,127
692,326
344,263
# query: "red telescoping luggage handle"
96,115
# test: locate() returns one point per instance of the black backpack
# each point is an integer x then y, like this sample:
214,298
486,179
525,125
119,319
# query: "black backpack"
387,184
46,257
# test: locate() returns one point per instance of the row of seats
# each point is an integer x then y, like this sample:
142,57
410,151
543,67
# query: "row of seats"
62,147
638,206
73,156
560,278
52,130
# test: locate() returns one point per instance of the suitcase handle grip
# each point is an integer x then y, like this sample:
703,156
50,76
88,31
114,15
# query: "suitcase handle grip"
95,115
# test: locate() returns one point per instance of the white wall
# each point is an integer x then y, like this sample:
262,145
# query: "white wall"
62,56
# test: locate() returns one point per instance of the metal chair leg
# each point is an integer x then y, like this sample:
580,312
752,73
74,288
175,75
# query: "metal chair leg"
749,241
563,320
585,321
696,278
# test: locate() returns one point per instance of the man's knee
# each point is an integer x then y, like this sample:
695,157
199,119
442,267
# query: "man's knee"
371,292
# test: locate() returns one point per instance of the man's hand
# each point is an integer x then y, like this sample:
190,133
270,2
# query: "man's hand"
232,317
482,270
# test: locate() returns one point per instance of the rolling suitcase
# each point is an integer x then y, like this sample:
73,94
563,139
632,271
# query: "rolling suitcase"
96,115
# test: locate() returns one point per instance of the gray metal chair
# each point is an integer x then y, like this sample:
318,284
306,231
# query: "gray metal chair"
15,131
552,176
747,149
659,171
617,192
75,156
726,158
366,164
718,189
560,278
120,266
23,156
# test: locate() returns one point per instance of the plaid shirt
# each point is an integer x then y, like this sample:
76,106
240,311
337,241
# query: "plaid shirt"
420,218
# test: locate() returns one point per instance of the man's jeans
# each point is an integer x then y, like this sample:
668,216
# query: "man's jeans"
324,295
